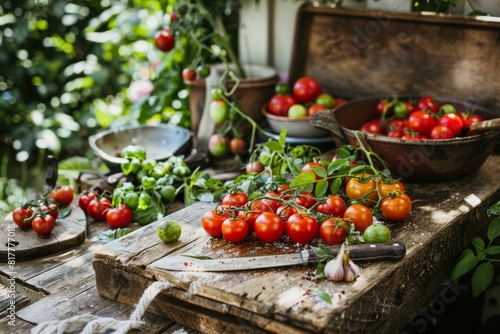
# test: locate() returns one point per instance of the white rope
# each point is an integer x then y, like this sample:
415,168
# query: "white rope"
91,324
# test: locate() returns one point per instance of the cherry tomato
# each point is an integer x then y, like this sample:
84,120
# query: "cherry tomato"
188,74
203,71
97,208
453,122
427,103
398,124
119,217
63,195
469,119
315,108
390,189
22,217
279,104
306,89
285,211
377,233
421,122
395,133
85,198
269,227
401,110
396,209
334,205
362,186
372,127
211,222
267,204
254,167
311,166
359,215
441,132
237,145
249,217
164,40
306,199
385,108
234,229
333,231
217,145
301,228
43,225
238,199
414,136
52,208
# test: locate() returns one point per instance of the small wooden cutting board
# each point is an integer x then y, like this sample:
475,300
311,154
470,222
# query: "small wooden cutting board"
24,244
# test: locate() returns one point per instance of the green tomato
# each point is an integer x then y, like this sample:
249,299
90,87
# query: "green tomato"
148,182
282,88
158,172
167,193
377,233
169,231
131,200
218,111
448,109
326,100
400,110
163,181
217,93
203,71
297,110
218,146
149,164
181,171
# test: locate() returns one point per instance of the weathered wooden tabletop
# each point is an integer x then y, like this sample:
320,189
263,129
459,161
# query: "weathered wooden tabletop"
445,218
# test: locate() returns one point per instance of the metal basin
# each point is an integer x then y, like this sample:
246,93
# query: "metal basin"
159,141
413,160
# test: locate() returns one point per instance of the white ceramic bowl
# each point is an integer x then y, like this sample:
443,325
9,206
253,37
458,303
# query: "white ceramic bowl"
296,127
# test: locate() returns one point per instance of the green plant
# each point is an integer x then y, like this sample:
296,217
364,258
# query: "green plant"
483,258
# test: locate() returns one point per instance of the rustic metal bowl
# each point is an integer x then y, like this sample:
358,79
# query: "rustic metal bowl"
296,127
159,141
414,160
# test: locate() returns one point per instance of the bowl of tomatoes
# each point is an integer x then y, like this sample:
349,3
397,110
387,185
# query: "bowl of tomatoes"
421,138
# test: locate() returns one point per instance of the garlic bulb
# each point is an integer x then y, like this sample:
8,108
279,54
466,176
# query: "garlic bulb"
334,269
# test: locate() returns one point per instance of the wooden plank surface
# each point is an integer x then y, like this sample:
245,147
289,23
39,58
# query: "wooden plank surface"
444,219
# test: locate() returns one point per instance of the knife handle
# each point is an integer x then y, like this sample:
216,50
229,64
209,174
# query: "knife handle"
365,252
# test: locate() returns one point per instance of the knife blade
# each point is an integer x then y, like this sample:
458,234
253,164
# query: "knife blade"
362,252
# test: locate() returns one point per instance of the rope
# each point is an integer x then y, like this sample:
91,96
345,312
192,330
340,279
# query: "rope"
90,324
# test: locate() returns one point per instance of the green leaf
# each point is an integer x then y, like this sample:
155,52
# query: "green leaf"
336,165
321,188
494,210
357,169
477,13
303,179
334,188
110,235
322,252
320,171
478,244
492,250
64,211
482,278
465,265
323,295
465,253
320,271
282,138
494,229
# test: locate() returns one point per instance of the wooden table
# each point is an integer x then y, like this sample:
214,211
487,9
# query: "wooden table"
445,218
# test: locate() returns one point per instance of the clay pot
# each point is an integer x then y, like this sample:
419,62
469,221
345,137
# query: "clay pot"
251,94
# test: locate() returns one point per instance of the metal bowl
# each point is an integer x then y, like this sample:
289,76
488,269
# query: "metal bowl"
413,160
295,127
159,141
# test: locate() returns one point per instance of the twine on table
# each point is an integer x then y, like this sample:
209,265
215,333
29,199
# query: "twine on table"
91,324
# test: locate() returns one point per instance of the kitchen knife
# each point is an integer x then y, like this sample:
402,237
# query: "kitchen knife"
362,252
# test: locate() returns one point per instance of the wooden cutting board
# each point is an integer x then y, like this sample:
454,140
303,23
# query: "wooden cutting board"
24,244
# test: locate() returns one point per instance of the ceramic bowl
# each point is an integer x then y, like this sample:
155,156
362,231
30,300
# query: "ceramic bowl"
296,127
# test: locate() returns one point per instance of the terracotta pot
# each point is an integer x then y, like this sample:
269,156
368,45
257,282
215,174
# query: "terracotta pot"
251,94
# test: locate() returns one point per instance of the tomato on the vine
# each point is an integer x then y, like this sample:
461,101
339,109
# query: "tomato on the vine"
85,198
234,229
359,215
164,40
254,167
301,228
52,209
97,208
267,204
188,74
211,222
385,108
305,199
22,216
285,211
203,71
119,217
333,231
396,209
63,195
43,225
237,199
269,227
237,145
249,217
306,89
390,189
334,205
362,186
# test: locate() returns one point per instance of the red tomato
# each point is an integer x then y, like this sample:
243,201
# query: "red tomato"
359,215
85,198
441,132
238,199
395,133
285,211
43,225
398,124
414,136
267,204
372,127
469,119
334,205
453,122
188,74
301,229
269,227
254,167
237,145
52,208
311,166
249,217
280,104
385,108
421,122
333,231
306,89
119,217
97,208
164,40
22,217
427,103
315,108
211,222
63,195
234,229
306,199
396,209
339,101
